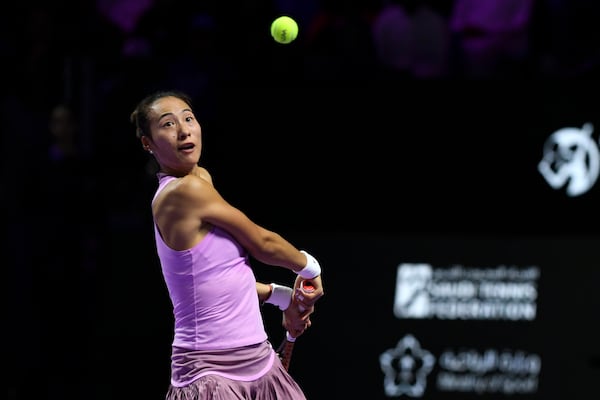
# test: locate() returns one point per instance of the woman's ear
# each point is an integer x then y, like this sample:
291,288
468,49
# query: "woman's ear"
146,144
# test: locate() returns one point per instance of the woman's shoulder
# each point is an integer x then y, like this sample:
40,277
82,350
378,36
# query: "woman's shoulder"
190,185
188,188
204,174
172,187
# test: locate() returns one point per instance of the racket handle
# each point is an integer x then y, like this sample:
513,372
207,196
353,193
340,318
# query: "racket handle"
307,287
285,350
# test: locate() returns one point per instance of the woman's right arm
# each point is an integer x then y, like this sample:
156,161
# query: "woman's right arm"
204,205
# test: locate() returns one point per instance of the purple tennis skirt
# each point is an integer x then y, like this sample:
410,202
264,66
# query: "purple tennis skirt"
251,372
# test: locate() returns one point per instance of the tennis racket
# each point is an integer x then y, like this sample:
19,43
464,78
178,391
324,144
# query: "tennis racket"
286,347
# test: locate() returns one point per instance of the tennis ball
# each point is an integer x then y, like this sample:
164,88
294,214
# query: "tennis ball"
284,29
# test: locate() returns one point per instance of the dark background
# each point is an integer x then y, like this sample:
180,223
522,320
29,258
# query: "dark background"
362,165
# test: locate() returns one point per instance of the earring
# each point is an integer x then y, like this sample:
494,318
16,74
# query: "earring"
150,151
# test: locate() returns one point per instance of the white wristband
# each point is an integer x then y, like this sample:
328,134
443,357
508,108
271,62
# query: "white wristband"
281,296
312,268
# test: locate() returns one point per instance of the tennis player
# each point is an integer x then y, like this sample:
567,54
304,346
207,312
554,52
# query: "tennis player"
220,348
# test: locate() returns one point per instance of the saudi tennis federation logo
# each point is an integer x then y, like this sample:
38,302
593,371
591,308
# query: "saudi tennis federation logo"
571,159
406,368
412,296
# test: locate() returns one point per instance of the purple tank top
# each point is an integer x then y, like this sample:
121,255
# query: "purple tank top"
213,291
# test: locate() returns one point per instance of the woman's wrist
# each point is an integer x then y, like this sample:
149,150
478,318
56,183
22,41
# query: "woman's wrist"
281,296
312,269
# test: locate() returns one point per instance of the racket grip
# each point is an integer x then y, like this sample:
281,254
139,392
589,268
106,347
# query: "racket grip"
307,287
286,349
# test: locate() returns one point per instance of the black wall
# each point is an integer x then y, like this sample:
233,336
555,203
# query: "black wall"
365,175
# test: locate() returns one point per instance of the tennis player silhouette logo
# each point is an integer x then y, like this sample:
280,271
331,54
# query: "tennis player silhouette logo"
412,295
406,368
571,158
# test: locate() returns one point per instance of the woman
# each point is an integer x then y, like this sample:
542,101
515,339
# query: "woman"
220,348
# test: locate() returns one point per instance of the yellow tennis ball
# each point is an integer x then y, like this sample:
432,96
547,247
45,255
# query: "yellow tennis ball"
284,29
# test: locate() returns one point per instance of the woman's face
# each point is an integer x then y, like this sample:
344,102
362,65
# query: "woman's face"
176,140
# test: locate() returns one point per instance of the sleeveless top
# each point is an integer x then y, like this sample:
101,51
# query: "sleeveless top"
215,304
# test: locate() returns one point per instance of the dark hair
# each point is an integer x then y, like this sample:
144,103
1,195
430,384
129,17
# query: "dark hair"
139,116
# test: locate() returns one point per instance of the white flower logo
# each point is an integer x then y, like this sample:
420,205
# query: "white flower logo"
406,368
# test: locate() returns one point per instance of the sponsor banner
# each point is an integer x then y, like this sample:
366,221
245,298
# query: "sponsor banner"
449,317
499,293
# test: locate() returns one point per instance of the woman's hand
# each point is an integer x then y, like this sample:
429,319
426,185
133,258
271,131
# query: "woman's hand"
296,318
308,291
